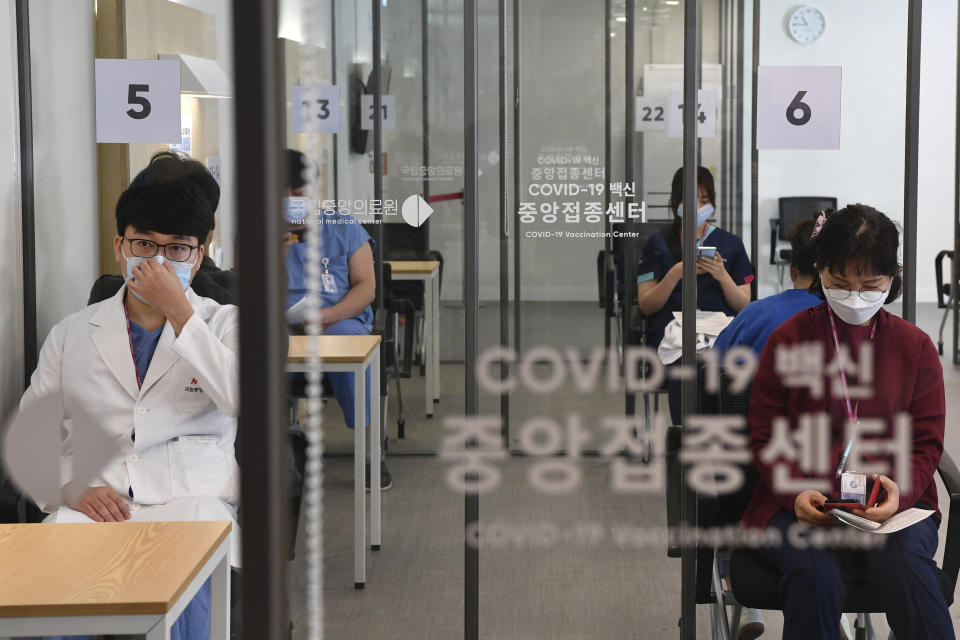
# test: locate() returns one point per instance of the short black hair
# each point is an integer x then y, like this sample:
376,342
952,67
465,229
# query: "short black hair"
861,238
175,195
298,166
801,245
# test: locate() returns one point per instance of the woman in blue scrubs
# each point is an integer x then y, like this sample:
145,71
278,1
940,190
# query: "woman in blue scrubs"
760,318
723,282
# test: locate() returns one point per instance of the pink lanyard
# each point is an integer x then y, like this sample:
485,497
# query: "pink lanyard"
853,411
133,354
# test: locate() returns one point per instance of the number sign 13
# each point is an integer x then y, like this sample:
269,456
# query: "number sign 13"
317,111
138,100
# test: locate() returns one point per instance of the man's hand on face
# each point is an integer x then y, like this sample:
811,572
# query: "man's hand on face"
159,286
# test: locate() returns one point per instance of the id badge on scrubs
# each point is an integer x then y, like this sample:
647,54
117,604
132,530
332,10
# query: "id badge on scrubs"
853,486
329,284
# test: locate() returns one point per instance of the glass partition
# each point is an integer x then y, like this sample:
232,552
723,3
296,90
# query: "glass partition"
588,473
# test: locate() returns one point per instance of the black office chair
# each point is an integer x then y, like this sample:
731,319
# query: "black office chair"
791,210
946,290
638,324
402,242
411,294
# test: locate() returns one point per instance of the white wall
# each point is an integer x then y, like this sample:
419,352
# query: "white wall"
65,156
938,84
868,168
11,272
354,46
868,38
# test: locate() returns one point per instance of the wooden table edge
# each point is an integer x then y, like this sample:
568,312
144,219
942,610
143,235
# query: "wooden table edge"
338,359
85,609
221,540
402,267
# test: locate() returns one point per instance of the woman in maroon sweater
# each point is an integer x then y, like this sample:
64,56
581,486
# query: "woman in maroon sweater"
856,257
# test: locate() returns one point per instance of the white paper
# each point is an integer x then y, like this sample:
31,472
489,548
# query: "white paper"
814,123
388,105
138,100
323,116
706,115
67,515
895,523
710,323
651,113
297,314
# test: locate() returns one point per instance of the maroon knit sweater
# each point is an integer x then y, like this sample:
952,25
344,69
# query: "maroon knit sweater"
907,378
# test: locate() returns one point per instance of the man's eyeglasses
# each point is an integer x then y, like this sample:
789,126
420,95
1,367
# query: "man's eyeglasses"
175,251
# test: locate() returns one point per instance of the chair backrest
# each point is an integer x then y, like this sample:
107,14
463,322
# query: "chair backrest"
644,230
732,506
795,208
401,241
603,277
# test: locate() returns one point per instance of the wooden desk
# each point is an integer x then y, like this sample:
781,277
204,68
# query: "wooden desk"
428,272
111,578
356,355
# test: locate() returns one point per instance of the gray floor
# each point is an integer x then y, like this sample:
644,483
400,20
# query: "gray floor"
578,587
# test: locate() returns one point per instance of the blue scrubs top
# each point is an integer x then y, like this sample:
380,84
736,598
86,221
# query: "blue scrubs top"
757,321
340,237
656,260
144,345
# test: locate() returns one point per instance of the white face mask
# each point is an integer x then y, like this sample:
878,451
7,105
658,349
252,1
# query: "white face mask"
853,309
703,213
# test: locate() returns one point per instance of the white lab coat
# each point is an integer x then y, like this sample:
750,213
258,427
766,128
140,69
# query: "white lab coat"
181,464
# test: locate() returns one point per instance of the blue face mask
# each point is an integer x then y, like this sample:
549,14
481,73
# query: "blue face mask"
182,269
297,209
704,213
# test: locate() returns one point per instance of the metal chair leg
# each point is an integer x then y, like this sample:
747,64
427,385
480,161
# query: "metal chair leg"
943,320
401,422
871,634
717,609
737,614
863,628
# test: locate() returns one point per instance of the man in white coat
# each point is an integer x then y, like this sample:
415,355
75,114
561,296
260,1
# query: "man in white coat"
156,365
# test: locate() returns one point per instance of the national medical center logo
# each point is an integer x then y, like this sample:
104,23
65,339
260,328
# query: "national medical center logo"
415,210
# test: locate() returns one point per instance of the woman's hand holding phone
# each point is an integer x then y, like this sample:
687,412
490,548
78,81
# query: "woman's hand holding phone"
807,508
887,508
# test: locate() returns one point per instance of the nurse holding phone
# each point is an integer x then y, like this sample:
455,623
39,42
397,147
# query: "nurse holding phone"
724,273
